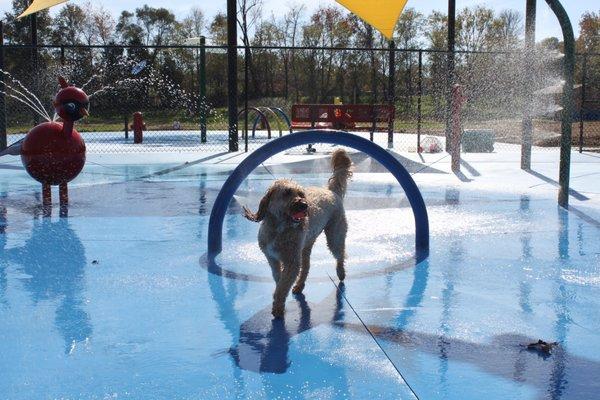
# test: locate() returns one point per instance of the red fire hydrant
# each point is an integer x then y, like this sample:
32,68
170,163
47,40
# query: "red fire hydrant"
138,127
458,101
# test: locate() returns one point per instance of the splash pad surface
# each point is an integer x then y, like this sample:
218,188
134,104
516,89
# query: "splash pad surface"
112,302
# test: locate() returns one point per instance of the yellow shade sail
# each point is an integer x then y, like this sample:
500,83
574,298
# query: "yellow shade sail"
380,14
39,5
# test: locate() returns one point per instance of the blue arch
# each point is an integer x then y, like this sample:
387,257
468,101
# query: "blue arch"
215,224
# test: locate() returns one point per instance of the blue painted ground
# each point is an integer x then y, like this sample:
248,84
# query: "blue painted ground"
113,301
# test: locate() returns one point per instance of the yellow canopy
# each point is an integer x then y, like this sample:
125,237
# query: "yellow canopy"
39,5
380,14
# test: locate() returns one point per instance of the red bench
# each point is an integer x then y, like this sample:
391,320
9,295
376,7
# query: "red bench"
355,117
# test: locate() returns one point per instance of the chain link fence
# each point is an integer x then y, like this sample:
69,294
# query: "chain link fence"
181,92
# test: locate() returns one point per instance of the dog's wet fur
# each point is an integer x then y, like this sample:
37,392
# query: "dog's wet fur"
292,217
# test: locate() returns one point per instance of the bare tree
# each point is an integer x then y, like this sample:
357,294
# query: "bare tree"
249,13
507,29
408,35
291,29
195,22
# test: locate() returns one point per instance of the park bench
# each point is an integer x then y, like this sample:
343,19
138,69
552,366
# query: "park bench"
348,117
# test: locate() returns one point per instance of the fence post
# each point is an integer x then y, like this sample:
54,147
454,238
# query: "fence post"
202,89
392,90
582,105
246,55
232,89
450,68
420,95
3,133
373,97
527,123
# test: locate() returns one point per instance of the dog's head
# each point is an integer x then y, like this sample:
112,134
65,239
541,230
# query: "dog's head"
285,201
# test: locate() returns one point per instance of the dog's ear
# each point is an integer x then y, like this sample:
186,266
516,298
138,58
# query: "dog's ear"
262,208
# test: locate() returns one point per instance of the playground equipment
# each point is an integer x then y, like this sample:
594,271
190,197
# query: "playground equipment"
215,224
260,117
138,127
278,114
53,153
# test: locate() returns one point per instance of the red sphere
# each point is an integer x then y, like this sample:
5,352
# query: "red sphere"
52,156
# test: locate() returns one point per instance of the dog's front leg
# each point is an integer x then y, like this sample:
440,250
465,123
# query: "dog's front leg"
275,265
299,286
286,279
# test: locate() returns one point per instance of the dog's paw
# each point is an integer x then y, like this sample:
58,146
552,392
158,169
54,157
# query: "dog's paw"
297,289
278,311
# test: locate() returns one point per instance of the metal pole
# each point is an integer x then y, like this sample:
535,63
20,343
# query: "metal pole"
567,101
232,73
3,133
202,91
582,106
420,95
450,68
246,55
373,80
527,123
392,90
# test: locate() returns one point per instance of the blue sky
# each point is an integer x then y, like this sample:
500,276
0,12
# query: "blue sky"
547,24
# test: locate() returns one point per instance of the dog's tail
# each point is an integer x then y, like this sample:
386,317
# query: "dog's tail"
342,171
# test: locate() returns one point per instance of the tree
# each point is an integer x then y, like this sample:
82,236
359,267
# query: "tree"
589,36
18,31
128,30
474,28
507,30
436,37
216,68
249,12
68,25
217,30
157,25
408,35
589,42
290,28
195,22
101,25
150,27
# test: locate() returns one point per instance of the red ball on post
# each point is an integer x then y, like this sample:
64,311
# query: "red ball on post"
52,156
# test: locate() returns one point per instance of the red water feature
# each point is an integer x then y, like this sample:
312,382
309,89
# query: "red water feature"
53,153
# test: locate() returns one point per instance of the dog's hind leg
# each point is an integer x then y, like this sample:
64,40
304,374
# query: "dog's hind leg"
335,232
299,286
288,275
